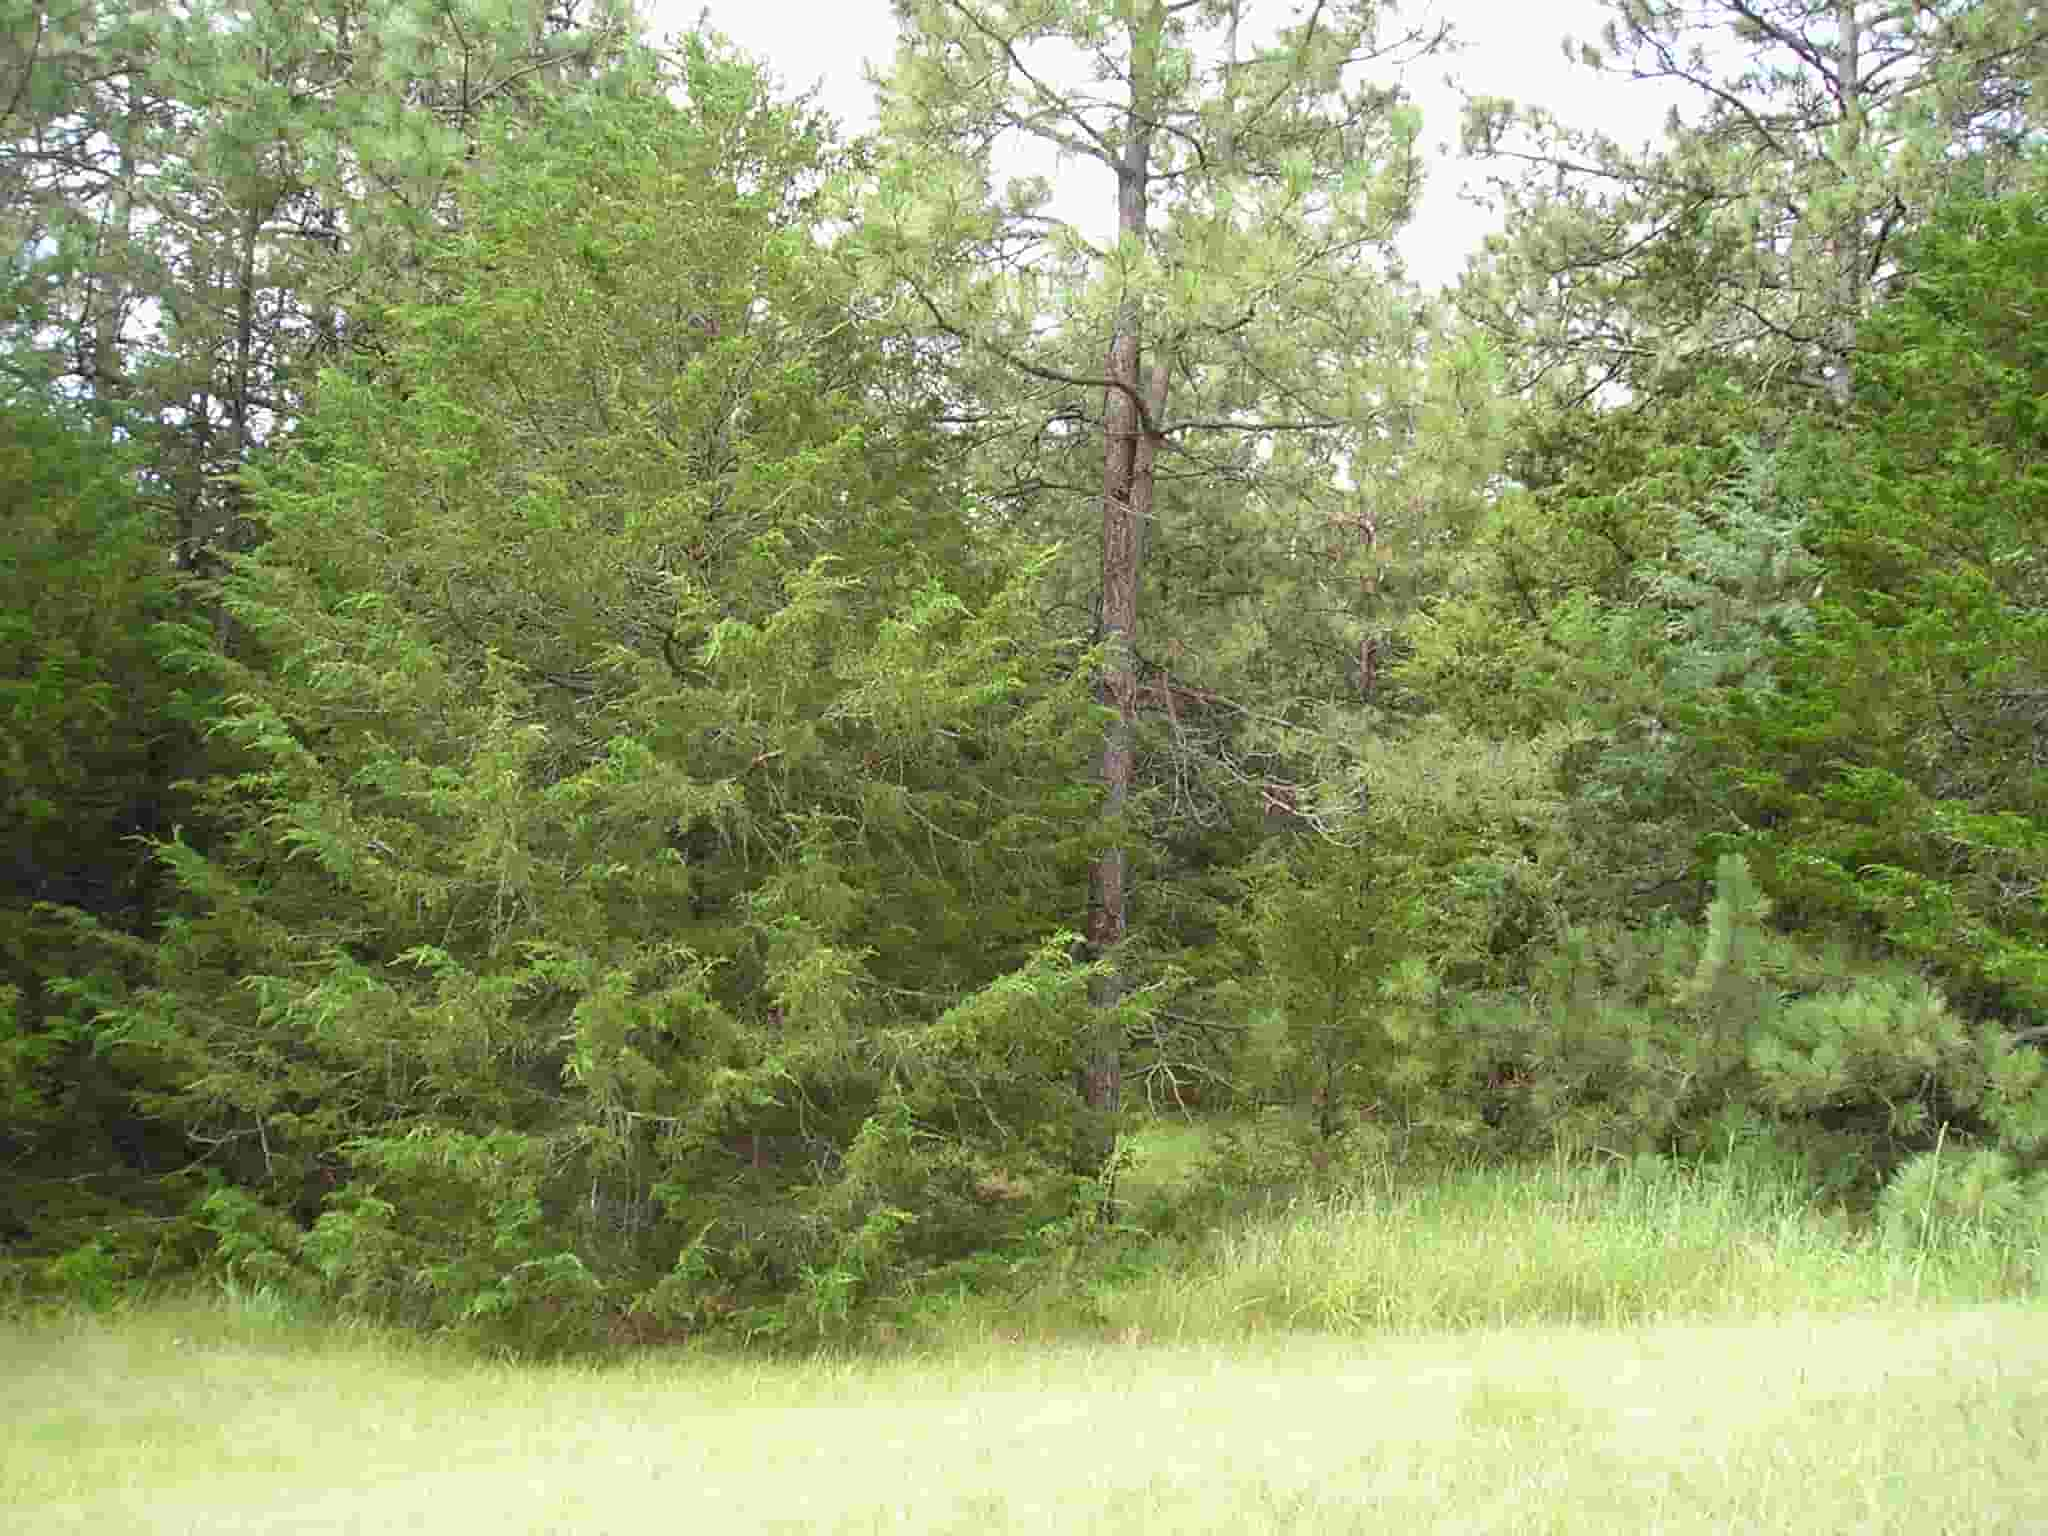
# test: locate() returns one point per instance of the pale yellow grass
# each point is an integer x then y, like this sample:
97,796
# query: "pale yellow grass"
1906,1421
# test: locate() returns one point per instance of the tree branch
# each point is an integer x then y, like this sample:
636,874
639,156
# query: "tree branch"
1055,105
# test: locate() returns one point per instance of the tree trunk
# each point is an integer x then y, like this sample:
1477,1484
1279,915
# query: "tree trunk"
251,234
1849,253
1102,1076
108,292
1128,452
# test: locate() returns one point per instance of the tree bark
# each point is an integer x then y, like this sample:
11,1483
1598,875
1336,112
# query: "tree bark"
1129,448
1102,1076
1849,254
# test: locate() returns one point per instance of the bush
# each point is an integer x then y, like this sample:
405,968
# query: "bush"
1730,1039
1967,1197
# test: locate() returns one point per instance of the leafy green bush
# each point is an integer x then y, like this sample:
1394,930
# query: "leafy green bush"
93,1275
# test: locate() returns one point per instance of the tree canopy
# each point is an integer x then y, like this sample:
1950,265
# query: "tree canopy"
622,716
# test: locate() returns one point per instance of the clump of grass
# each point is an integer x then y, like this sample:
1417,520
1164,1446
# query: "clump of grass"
1571,1241
1607,1243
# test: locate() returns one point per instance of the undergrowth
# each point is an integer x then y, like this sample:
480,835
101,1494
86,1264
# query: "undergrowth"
1222,1233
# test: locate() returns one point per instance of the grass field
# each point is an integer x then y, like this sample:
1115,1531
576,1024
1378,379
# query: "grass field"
1910,1421
1625,1348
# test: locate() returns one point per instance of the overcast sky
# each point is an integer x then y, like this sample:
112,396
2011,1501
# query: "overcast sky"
1512,49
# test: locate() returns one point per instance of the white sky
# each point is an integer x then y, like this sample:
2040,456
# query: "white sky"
1512,49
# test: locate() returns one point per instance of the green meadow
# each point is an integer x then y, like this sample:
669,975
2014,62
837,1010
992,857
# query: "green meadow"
1577,1347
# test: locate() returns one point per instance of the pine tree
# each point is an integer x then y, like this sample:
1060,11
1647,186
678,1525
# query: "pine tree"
1888,782
1766,224
194,196
1233,344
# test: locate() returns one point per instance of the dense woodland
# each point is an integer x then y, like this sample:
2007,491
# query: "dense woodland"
617,705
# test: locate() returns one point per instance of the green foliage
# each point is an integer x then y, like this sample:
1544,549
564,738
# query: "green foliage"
1300,446
1641,567
1726,1037
652,771
1810,641
1887,785
188,193
93,728
638,843
1765,221
255,1245
1337,931
91,1276
1968,1199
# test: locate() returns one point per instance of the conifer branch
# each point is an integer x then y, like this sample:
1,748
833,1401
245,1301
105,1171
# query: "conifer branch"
1147,422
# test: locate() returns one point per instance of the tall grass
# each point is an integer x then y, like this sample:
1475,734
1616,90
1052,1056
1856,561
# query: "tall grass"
1607,1242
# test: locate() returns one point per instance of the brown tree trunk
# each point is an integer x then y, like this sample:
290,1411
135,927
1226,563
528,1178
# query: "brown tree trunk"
1129,446
1850,244
1108,878
1127,502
